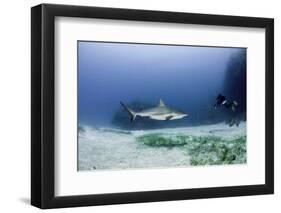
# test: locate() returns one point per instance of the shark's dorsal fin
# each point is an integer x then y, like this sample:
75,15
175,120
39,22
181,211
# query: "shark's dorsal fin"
161,103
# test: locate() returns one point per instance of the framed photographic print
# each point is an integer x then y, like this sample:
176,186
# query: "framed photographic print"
140,106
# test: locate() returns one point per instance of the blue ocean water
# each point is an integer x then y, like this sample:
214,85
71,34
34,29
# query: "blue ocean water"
186,78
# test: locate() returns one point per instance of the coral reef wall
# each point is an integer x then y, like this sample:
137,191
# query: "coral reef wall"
235,80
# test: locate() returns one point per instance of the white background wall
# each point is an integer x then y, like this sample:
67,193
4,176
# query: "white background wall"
15,105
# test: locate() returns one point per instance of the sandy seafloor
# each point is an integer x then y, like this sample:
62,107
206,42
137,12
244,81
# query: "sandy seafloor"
114,149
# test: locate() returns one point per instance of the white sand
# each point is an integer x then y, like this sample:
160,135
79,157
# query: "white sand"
116,149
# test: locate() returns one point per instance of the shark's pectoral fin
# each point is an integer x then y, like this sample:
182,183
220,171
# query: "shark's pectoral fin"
169,117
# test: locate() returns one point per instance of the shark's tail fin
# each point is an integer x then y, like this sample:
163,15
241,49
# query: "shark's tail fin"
130,111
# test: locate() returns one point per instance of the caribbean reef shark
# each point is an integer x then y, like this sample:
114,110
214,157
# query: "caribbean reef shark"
161,112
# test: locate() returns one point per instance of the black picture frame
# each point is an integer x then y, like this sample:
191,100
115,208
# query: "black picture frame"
43,102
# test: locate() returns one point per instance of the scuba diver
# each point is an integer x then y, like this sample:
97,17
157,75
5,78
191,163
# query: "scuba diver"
223,101
231,105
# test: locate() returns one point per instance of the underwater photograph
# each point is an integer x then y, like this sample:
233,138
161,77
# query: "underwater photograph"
148,106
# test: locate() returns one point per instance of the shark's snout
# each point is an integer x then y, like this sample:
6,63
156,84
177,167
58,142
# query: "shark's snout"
184,115
179,116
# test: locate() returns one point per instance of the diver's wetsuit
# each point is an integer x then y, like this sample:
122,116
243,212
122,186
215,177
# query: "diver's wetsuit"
222,101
